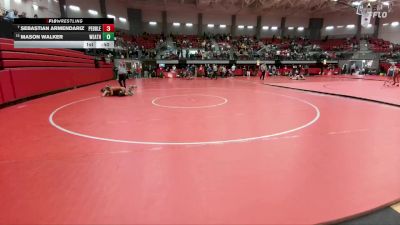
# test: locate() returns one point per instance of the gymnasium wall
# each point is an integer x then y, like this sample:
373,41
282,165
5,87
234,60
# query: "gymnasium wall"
270,21
217,29
182,29
181,17
115,8
339,19
118,9
2,4
152,16
217,19
386,32
297,21
157,29
389,32
47,8
85,6
246,20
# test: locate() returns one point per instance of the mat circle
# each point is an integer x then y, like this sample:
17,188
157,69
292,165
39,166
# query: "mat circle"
244,139
158,99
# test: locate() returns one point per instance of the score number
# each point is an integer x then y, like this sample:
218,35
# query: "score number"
108,28
108,36
108,32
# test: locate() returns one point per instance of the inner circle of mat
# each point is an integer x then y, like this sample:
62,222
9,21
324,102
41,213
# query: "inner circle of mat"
189,101
245,118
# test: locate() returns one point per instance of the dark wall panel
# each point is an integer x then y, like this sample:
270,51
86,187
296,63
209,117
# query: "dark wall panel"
314,26
135,21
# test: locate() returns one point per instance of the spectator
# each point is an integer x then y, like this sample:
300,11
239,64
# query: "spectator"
23,15
10,15
353,69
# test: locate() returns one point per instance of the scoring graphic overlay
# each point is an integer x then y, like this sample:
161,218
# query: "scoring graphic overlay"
64,33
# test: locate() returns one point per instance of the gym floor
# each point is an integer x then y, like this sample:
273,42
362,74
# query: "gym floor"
226,151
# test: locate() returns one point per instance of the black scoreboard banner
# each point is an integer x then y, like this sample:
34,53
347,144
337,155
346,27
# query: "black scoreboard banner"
64,33
64,21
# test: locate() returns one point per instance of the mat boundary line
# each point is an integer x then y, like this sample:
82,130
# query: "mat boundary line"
335,94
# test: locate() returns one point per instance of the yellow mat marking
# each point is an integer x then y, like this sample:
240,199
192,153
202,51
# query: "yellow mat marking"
396,207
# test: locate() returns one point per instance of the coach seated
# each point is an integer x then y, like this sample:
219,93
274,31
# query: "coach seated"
10,15
6,26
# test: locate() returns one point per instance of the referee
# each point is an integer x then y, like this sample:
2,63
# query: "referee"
122,73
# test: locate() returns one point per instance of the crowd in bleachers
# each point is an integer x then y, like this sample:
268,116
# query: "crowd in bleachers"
379,45
226,47
222,46
143,47
391,56
224,71
389,51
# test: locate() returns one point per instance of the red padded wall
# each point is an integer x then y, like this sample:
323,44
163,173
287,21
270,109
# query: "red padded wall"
60,52
36,56
6,87
105,65
36,63
89,76
34,81
6,40
31,72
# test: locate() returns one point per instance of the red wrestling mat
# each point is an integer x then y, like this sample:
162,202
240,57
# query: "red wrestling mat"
196,152
369,88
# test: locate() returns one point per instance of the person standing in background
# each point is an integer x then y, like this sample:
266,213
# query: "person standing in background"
306,71
210,71
352,69
274,70
344,69
263,71
224,71
393,71
248,72
215,71
122,72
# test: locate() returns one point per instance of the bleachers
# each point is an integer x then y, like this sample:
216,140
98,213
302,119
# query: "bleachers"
379,45
384,66
325,45
30,72
147,41
193,41
335,45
